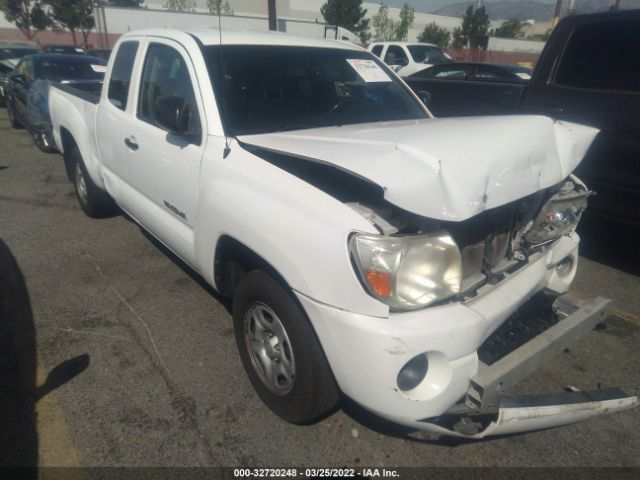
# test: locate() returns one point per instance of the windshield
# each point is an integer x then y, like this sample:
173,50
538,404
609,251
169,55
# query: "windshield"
67,70
278,88
427,54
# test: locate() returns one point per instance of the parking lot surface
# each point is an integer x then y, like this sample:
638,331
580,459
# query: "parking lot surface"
152,376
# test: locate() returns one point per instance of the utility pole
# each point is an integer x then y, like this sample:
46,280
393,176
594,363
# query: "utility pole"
273,18
616,6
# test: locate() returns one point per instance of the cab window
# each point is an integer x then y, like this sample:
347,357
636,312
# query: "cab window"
121,74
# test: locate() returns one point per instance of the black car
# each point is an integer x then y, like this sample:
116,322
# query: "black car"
471,88
484,72
28,89
10,55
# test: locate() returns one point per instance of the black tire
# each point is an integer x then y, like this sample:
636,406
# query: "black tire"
314,391
15,123
94,201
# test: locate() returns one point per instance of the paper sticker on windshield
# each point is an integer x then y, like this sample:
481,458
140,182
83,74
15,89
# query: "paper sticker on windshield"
368,70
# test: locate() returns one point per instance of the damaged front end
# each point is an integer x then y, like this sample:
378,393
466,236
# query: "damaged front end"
419,260
416,261
487,411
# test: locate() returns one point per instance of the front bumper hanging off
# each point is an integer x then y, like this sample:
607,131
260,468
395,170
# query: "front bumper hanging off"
487,412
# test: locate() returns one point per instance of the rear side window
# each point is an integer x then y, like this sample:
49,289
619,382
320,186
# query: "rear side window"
484,73
449,72
377,50
121,74
602,56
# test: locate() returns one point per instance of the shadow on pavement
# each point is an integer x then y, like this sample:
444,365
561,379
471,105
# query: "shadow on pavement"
611,243
18,369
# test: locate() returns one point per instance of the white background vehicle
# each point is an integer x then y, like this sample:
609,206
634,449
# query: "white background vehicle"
409,58
370,249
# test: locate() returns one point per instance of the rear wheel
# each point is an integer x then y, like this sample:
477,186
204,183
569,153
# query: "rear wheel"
280,351
95,202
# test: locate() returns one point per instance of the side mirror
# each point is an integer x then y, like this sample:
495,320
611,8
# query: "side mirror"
424,96
19,79
172,114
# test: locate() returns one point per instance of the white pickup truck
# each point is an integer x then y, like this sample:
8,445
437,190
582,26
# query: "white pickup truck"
371,250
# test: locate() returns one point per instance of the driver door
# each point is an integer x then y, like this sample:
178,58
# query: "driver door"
163,168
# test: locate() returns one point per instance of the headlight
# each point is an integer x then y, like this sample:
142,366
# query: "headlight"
408,272
560,215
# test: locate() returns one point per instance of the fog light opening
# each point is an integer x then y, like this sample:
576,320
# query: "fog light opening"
565,266
413,372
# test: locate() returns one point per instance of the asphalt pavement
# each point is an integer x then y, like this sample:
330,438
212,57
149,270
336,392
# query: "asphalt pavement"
124,357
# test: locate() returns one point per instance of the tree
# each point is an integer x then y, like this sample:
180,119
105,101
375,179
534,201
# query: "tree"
383,27
509,29
181,5
347,14
386,29
407,15
433,33
219,7
459,40
475,23
74,15
27,16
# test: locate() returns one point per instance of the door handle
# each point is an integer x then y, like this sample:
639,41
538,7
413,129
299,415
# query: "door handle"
131,143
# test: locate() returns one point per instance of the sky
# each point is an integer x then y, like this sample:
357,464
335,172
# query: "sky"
426,6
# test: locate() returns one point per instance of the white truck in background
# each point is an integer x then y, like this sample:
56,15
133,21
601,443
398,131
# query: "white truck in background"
371,250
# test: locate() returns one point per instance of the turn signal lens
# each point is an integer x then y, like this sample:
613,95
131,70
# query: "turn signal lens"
379,282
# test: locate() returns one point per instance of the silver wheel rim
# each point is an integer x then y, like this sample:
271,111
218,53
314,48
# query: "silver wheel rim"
81,184
269,348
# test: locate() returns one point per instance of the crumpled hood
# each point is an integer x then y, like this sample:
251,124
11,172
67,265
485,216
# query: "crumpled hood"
446,169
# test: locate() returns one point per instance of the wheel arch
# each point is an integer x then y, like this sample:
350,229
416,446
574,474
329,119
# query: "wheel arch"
233,260
68,144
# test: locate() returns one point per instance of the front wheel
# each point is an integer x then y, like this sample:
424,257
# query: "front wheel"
280,351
